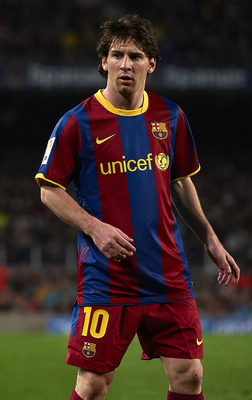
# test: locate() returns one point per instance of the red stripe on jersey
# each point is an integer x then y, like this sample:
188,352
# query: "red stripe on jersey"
185,159
109,159
171,262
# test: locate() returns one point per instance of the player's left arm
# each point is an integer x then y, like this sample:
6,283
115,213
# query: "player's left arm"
186,201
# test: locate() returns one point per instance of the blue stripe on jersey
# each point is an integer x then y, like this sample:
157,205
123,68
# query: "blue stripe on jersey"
144,210
182,255
87,183
174,110
87,195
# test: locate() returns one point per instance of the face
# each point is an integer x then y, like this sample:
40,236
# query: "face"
127,67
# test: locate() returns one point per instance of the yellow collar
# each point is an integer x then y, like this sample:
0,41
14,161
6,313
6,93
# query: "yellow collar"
125,113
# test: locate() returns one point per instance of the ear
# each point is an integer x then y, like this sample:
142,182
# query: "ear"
104,63
152,66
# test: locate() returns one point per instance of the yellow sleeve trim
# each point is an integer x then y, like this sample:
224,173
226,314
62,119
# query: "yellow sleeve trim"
40,177
187,176
124,113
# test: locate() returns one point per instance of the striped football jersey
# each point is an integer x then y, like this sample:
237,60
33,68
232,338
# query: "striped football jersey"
122,163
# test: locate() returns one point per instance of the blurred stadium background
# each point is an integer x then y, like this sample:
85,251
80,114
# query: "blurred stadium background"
48,64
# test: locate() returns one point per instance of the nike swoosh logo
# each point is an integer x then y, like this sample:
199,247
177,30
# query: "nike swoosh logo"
100,141
199,342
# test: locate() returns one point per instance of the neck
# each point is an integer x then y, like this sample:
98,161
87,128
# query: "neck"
123,101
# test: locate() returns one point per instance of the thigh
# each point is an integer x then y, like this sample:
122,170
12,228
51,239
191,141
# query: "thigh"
100,336
172,330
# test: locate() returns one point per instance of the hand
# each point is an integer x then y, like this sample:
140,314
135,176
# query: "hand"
228,269
112,242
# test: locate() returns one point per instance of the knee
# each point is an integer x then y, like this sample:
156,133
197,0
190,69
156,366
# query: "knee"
92,386
193,375
186,376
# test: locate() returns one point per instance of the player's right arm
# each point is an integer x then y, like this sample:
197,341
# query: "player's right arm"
111,241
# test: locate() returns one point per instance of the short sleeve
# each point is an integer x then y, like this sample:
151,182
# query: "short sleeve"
61,154
185,160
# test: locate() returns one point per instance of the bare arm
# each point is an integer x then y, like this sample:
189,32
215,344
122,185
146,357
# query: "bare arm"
186,201
111,241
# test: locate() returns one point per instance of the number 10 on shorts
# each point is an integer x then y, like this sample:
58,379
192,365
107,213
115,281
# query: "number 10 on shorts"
96,324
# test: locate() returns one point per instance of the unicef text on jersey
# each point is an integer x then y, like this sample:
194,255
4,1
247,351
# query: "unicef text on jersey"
112,167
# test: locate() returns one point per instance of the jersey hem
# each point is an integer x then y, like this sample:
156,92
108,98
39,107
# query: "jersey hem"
158,300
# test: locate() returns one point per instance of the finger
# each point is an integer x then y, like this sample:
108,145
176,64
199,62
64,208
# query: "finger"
224,275
124,250
114,256
118,258
229,279
235,275
228,270
236,272
125,236
237,278
125,246
220,276
118,252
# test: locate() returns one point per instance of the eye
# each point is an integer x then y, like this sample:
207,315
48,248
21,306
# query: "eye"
136,57
116,55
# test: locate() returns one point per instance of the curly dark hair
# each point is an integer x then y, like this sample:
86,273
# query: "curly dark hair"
128,27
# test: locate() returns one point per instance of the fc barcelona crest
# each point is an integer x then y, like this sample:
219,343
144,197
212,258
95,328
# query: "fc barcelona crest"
89,349
159,130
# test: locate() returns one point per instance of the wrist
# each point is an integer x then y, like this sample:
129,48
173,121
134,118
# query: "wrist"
210,239
89,225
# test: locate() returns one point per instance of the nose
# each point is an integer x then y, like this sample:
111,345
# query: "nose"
126,63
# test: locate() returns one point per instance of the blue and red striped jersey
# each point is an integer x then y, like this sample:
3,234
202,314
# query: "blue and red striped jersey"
122,163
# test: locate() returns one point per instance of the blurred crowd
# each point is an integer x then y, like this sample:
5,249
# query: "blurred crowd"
37,253
191,33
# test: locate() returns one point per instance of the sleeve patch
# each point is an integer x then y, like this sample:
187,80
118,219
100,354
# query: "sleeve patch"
48,151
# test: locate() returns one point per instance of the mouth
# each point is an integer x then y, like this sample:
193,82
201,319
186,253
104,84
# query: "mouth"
125,78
